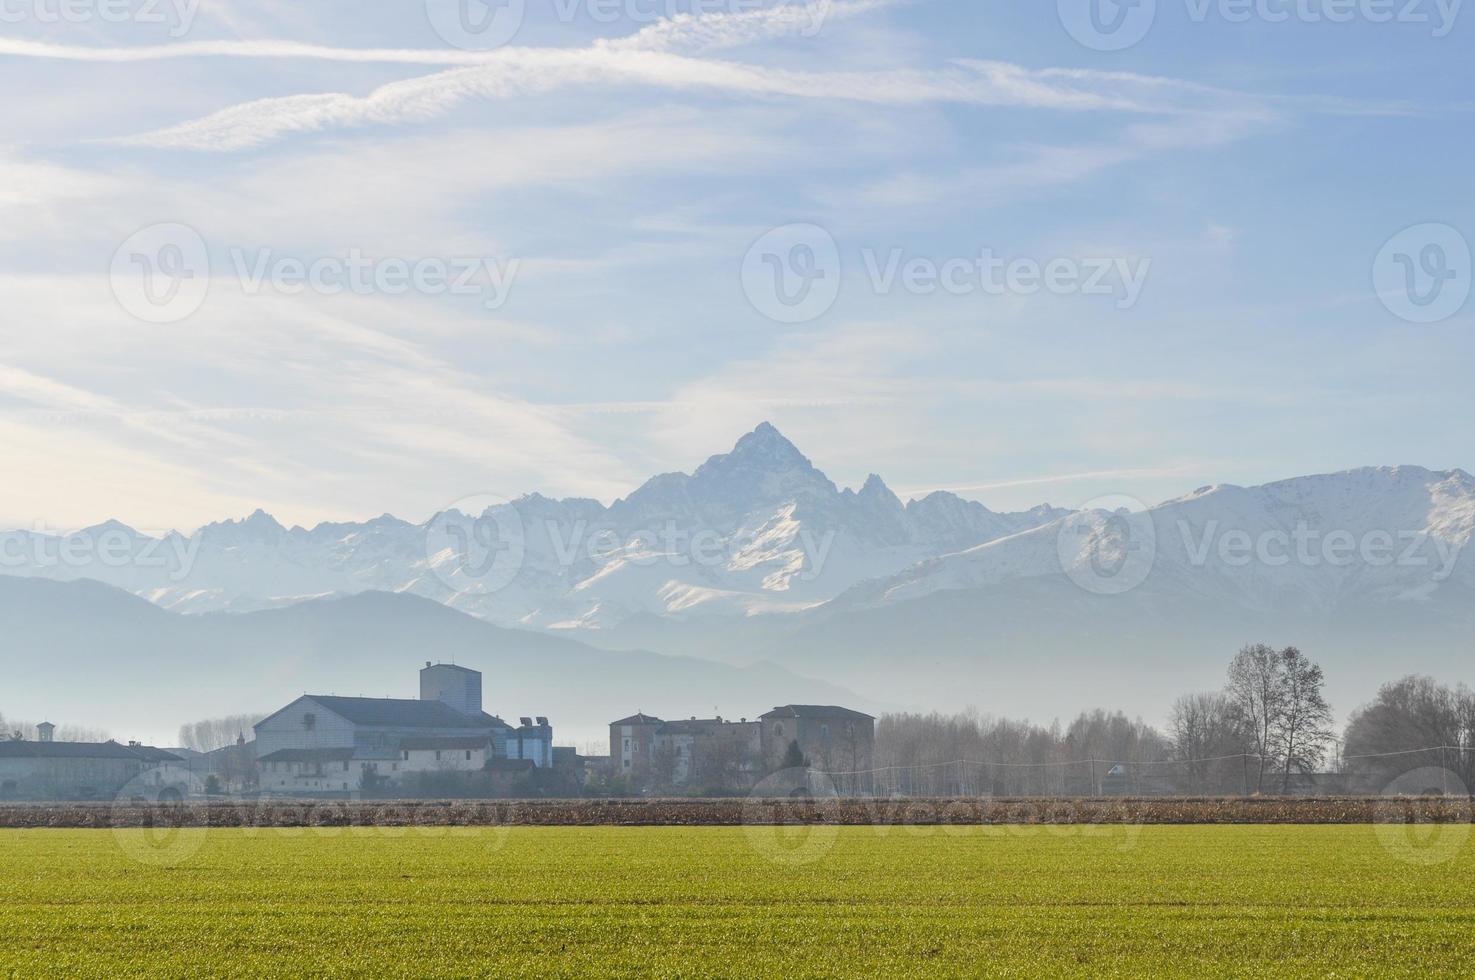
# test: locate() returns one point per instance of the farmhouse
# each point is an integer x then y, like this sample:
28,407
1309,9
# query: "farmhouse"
719,753
324,743
51,770
831,738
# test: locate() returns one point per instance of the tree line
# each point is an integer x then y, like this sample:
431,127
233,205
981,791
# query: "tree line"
1269,729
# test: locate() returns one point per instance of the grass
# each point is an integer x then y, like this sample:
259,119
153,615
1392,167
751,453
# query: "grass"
1025,901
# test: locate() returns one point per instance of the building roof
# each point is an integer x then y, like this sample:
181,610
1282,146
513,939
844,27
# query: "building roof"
426,744
817,711
84,750
309,755
701,726
491,721
639,719
464,670
392,712
151,754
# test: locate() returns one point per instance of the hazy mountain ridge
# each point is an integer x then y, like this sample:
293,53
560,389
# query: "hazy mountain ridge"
139,661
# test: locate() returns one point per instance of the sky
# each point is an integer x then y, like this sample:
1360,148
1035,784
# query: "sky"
336,259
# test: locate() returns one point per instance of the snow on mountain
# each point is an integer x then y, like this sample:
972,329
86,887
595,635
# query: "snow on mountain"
756,530
1316,544
761,531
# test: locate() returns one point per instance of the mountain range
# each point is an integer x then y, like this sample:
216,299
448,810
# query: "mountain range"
758,557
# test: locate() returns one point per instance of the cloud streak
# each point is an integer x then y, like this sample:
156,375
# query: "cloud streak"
662,56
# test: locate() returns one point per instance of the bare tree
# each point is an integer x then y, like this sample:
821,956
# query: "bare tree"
1257,690
1302,729
1413,723
22,730
216,733
1206,727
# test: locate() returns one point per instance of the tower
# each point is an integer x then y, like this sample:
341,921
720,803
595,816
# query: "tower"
45,731
459,687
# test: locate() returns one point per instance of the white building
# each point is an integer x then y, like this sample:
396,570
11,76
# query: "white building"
324,743
51,770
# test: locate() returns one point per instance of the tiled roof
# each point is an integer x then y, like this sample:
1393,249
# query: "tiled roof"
398,713
639,719
817,711
84,750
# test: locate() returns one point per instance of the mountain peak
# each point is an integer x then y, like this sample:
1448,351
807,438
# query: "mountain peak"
765,450
766,439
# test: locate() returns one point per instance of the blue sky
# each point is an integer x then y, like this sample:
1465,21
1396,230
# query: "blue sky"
621,167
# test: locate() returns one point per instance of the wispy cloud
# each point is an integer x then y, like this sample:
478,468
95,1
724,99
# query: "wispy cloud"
662,55
531,71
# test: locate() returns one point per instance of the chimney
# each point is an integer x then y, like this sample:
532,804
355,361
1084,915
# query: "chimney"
45,731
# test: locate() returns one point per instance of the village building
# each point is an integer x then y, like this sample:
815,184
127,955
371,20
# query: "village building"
716,753
330,744
831,738
49,770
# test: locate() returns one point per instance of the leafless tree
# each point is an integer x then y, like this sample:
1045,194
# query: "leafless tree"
1257,690
1302,730
65,732
216,733
1413,723
1207,727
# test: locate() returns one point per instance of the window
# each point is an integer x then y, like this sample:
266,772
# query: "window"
309,721
778,730
345,766
406,755
824,731
437,755
468,755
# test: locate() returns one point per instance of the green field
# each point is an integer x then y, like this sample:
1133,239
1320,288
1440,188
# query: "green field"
703,901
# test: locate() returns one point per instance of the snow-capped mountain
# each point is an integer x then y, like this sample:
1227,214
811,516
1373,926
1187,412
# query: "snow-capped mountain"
1313,545
757,530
